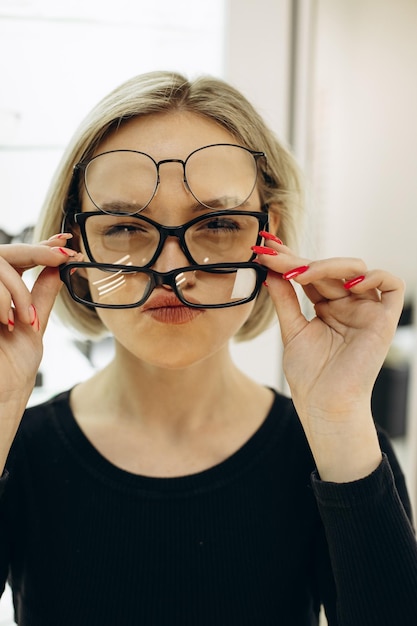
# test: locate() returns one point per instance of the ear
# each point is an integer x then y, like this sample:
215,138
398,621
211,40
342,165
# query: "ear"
274,218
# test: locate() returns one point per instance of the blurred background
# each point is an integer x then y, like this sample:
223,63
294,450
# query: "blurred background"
335,79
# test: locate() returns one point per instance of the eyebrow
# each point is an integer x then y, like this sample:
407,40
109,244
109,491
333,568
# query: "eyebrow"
219,203
119,206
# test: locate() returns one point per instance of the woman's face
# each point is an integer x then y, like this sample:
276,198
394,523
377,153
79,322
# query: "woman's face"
162,331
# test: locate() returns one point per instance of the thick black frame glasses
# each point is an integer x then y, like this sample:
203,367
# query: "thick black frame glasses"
190,180
245,288
228,229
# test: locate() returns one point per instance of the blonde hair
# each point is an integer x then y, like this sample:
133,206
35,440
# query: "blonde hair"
279,184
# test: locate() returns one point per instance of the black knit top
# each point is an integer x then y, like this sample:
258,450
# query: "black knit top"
257,540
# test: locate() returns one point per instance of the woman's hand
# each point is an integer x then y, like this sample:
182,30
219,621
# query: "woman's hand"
23,318
331,361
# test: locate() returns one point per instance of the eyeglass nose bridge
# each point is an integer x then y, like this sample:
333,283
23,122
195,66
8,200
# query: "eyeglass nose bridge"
178,232
162,162
169,279
175,279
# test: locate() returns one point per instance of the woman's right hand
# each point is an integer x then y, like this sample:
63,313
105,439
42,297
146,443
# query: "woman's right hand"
23,318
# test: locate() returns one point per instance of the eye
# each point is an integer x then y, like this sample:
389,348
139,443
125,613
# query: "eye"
125,230
220,224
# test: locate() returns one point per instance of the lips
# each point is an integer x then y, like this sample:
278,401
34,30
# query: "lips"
168,309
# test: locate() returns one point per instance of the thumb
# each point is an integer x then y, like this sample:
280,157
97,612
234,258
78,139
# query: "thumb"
287,305
44,292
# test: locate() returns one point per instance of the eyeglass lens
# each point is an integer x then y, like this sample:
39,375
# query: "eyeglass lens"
197,287
219,176
218,238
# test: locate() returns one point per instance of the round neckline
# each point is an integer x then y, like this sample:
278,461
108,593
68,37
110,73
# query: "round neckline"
85,453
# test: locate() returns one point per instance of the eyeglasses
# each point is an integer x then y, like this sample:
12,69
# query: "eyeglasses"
218,237
123,287
219,176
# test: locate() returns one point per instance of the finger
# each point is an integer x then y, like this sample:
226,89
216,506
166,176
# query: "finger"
24,256
44,293
390,288
287,305
321,280
13,290
58,239
6,315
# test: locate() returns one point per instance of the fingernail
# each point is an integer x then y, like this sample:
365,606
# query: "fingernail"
65,251
61,236
295,272
266,235
10,321
264,250
265,284
74,269
34,319
354,281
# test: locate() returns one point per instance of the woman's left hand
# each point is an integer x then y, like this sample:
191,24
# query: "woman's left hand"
331,361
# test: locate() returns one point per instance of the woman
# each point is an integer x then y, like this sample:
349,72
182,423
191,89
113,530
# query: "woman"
169,488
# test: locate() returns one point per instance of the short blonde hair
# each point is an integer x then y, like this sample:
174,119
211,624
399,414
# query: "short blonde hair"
279,184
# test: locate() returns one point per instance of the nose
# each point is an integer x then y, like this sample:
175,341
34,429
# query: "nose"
171,256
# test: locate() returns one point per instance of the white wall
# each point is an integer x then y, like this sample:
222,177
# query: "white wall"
364,132
57,59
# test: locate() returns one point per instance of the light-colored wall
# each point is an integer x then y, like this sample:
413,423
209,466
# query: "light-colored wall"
364,132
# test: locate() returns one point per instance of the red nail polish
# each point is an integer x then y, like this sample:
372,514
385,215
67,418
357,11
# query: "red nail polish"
34,318
33,314
295,272
354,281
264,250
61,236
266,235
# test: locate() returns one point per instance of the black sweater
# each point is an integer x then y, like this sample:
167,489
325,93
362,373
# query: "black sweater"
257,540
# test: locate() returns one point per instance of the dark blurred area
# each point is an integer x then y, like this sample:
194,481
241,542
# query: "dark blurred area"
390,395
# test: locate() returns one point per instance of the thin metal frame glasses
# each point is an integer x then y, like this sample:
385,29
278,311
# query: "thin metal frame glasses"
223,163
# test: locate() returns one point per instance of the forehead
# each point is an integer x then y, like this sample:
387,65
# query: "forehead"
166,135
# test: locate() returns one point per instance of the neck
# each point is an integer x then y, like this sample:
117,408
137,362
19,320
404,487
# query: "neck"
177,398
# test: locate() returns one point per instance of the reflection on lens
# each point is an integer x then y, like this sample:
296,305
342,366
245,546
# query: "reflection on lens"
244,283
219,285
108,284
118,288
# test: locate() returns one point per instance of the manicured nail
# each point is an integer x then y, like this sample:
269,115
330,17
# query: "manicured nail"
265,284
295,272
34,319
61,236
65,251
266,235
74,269
10,321
354,281
264,250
